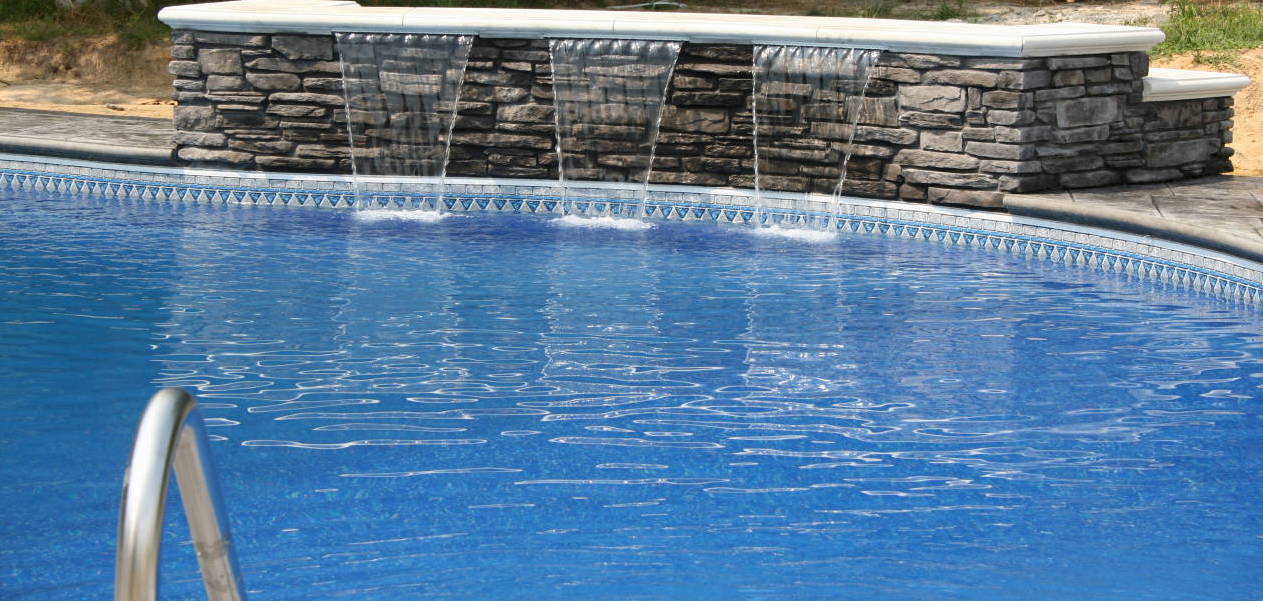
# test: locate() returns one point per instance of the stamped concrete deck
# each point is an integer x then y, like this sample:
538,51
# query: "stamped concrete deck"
1223,212
94,137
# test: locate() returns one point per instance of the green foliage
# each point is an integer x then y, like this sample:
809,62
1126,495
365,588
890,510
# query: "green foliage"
135,23
1211,26
20,10
946,11
887,9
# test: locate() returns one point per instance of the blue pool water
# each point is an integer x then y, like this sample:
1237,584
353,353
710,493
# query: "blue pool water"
504,408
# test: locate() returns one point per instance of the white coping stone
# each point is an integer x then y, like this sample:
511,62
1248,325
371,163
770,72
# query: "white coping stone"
1183,84
969,39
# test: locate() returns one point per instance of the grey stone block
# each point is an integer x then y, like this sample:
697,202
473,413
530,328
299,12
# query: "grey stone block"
1077,62
502,140
207,139
294,163
1073,163
328,68
927,61
880,112
992,166
944,141
527,113
1052,94
195,118
931,120
1099,75
261,146
936,160
708,99
1011,152
1006,99
940,178
1027,183
1021,135
962,77
322,84
943,99
1090,179
310,47
971,198
1094,133
207,155
225,83
1119,87
982,134
998,117
220,61
1180,152
1086,111
1068,78
189,69
1174,114
1152,176
707,121
308,97
1003,64
274,81
897,74
297,110
1024,80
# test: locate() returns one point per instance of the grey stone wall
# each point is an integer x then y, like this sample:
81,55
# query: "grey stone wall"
939,129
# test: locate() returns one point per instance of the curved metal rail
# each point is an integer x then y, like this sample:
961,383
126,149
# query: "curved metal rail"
170,434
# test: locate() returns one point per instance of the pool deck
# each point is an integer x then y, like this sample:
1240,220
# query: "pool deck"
1223,213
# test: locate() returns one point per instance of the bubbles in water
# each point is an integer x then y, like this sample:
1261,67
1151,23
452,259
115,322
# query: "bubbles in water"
380,215
811,236
609,223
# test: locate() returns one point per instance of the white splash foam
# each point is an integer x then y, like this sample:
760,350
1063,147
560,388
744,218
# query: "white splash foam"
379,215
609,223
812,236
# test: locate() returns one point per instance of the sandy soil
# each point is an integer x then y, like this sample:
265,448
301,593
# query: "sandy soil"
85,79
98,76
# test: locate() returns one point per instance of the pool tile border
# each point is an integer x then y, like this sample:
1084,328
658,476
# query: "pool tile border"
1203,271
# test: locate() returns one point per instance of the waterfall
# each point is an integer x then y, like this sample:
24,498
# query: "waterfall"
401,92
806,104
608,95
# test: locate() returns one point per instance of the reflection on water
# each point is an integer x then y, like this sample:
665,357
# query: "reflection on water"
508,408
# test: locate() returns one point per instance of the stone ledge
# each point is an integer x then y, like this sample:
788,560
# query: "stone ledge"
327,16
1184,84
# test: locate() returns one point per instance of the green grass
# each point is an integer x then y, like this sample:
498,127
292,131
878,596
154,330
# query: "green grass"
1205,26
887,9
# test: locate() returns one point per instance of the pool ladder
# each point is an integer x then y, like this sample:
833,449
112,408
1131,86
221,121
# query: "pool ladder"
170,435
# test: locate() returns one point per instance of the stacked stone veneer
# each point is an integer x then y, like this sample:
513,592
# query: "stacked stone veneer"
942,129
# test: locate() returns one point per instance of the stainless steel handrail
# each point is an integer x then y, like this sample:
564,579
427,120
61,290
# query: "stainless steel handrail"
170,434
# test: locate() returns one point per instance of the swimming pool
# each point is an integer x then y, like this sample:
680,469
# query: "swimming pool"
502,407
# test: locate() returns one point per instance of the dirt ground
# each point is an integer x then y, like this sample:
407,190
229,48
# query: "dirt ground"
103,76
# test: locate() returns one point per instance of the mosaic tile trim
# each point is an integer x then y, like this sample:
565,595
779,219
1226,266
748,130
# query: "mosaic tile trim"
1201,271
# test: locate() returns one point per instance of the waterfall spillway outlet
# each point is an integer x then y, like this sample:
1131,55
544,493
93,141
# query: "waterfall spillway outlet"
401,93
806,107
608,96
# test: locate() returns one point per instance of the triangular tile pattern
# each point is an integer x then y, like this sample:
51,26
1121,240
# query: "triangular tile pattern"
1130,259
